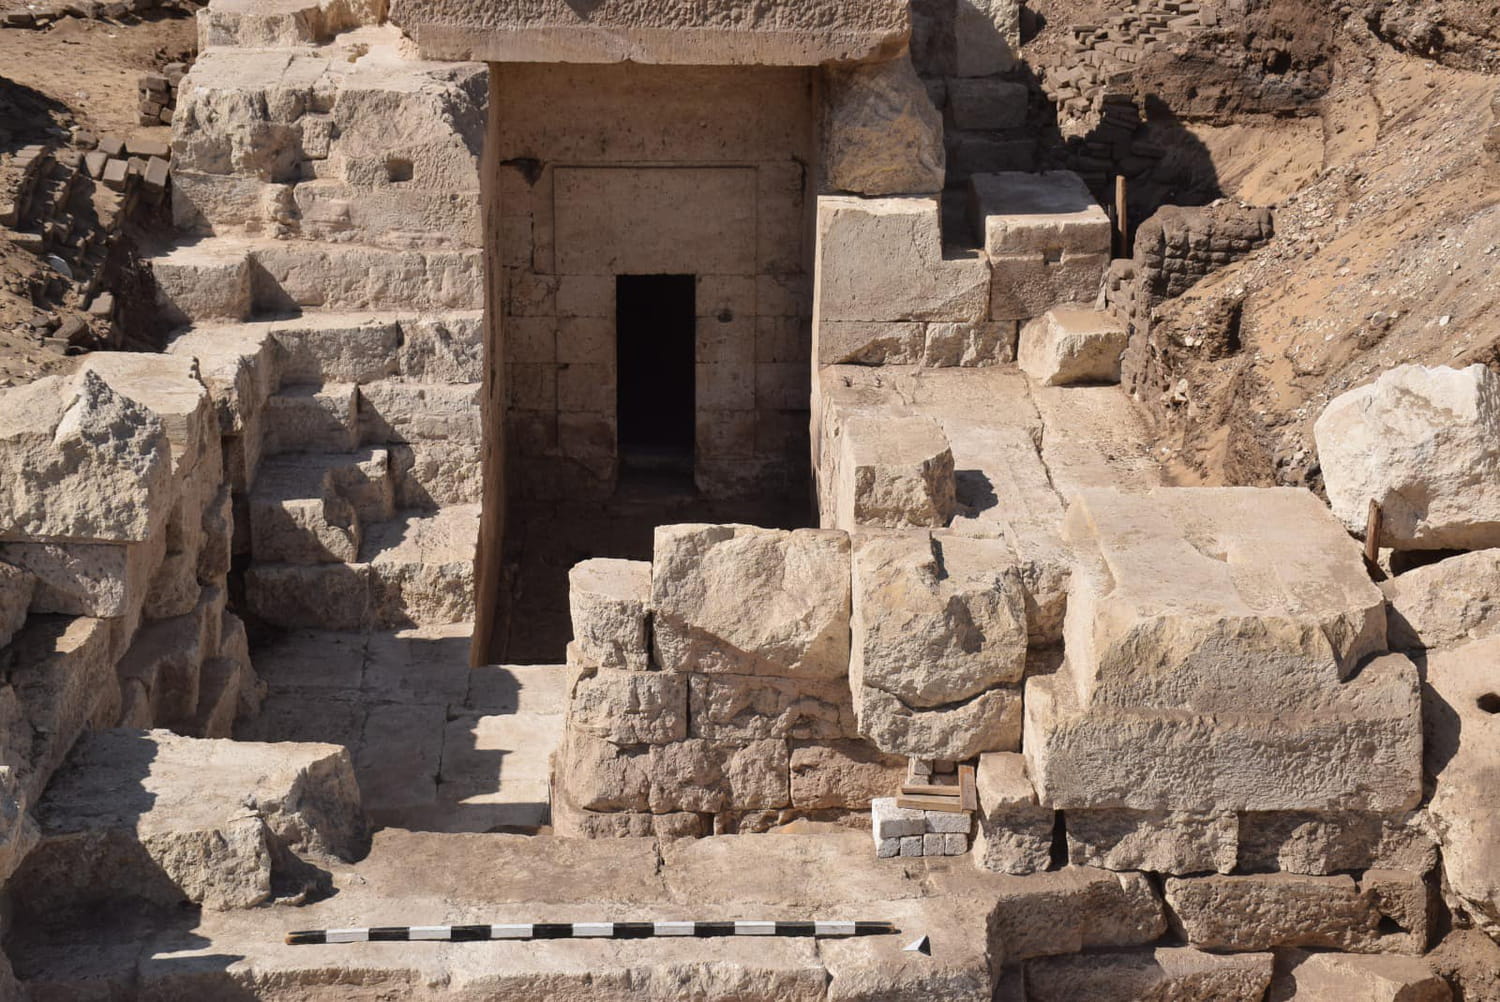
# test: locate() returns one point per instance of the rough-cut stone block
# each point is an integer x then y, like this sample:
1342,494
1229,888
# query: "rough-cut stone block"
990,721
1358,749
1412,441
947,823
1161,843
79,461
610,602
1014,834
936,621
16,588
297,517
987,105
1337,977
1181,974
629,707
1258,912
969,345
166,820
1200,606
1323,843
705,777
747,708
866,342
1069,910
1072,346
987,35
1445,603
321,418
203,282
1048,213
1463,745
841,774
594,775
881,134
883,260
778,34
739,599
895,472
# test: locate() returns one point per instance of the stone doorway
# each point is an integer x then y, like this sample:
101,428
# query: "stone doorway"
655,323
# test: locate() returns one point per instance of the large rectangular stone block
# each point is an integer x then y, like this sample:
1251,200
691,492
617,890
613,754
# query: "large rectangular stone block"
894,471
610,602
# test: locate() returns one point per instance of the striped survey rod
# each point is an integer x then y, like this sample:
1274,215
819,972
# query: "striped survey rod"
585,930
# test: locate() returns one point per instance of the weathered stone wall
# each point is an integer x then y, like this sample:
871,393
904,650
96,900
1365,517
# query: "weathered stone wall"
640,170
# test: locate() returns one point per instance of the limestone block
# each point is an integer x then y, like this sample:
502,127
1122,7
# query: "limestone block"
1463,742
869,343
594,775
1166,842
80,461
1261,911
1335,977
610,602
1354,750
16,588
987,105
61,681
783,34
391,411
1200,608
841,774
297,517
166,657
987,34
284,23
990,721
354,348
1027,285
422,567
173,590
334,276
969,344
89,579
18,832
436,474
1412,441
1323,843
572,822
881,134
1014,834
935,621
203,281
751,601
1069,910
747,708
1048,213
629,707
321,418
165,820
1445,603
883,260
895,472
1072,346
323,597
443,347
707,777
889,821
1178,973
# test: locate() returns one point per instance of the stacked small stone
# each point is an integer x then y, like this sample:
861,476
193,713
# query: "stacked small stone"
159,94
906,833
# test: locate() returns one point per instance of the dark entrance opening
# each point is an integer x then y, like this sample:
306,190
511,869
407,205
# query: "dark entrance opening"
655,321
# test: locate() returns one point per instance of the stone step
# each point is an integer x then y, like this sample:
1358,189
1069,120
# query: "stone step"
273,23
311,508
1139,975
974,923
322,418
144,819
415,569
229,278
365,346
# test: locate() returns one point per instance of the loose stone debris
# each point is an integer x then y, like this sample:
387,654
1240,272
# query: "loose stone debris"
1110,738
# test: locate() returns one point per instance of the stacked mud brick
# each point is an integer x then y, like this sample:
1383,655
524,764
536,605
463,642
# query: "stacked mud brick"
158,94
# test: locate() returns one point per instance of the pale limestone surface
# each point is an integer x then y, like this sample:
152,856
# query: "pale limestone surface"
894,472
782,33
1181,974
610,602
1335,977
744,600
990,721
1462,718
1333,842
1449,602
80,461
987,34
1067,345
1014,833
881,133
882,259
935,621
178,819
629,707
1420,442
1164,842
280,23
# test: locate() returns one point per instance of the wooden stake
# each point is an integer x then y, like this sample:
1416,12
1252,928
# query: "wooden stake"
1122,217
948,805
968,789
1373,525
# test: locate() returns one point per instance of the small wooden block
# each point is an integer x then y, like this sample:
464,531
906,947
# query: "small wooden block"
947,805
968,791
931,789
